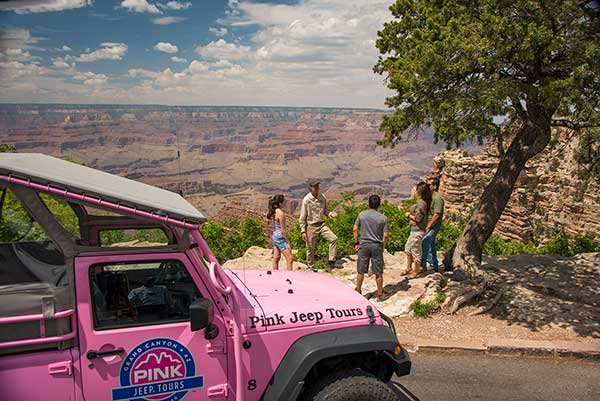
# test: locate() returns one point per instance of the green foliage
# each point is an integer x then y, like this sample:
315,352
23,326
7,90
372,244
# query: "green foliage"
6,148
497,246
424,309
456,65
585,243
588,154
557,246
15,223
232,238
398,224
447,236
421,309
63,213
399,227
152,236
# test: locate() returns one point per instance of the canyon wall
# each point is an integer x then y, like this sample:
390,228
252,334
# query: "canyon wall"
221,155
548,197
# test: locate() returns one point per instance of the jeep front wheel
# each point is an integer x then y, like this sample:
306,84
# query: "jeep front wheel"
351,385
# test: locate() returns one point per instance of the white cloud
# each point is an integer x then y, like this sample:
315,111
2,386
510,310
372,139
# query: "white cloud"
61,64
218,31
175,5
223,64
196,67
109,51
310,53
91,79
17,38
140,72
65,48
11,70
221,49
140,6
16,55
42,6
166,20
165,47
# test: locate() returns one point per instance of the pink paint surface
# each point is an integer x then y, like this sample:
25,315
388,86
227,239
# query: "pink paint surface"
315,299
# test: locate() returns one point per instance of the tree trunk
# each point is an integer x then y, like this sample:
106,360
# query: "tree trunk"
531,139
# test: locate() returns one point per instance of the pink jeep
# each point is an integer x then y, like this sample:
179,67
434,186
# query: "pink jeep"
86,315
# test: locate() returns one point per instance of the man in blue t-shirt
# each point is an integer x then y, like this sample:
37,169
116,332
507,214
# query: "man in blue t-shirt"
373,228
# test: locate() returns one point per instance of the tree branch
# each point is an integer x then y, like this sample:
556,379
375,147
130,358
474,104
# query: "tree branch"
519,109
575,126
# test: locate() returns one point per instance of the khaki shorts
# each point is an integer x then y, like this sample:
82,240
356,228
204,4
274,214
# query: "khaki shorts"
413,244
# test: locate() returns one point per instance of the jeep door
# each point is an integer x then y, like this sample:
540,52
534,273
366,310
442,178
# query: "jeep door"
134,330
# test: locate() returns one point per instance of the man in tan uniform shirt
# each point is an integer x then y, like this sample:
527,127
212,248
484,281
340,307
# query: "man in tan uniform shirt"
312,224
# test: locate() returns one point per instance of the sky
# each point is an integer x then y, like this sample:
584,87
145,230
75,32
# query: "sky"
210,52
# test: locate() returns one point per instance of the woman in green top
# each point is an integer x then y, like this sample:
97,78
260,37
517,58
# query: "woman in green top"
417,217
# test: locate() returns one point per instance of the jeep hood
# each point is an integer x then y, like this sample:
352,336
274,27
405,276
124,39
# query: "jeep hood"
280,299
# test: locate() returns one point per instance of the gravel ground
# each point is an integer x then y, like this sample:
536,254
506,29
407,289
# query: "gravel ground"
460,326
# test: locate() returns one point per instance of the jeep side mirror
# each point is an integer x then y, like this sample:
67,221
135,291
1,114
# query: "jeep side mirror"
201,314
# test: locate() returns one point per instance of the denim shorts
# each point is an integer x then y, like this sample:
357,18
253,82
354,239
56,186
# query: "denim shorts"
279,242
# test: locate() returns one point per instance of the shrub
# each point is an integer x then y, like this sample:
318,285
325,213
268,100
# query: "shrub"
424,309
232,238
585,243
557,246
495,246
421,309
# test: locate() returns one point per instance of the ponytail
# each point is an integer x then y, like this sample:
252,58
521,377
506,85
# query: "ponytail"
274,203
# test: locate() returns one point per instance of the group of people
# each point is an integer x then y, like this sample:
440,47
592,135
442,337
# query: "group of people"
371,232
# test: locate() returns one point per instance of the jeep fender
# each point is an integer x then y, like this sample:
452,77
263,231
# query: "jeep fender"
288,379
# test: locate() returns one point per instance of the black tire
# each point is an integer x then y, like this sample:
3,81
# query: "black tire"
350,385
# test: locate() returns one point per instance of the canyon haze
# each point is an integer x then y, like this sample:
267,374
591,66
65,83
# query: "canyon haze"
223,155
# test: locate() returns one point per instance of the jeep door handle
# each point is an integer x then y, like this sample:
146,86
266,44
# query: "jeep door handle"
93,354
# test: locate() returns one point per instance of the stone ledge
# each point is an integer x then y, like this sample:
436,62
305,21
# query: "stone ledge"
507,347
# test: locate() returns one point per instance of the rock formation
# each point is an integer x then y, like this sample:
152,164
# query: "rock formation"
548,196
226,154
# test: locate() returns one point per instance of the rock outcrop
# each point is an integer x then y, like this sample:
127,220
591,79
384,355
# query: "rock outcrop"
548,196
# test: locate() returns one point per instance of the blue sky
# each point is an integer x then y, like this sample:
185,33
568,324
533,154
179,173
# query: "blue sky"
211,52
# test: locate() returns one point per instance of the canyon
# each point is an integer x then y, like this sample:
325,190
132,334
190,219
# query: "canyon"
218,156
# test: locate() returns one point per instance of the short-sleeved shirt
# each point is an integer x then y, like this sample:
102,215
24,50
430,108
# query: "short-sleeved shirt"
437,205
372,225
419,212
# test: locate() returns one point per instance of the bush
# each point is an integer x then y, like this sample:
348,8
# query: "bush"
424,309
585,243
232,238
495,246
421,309
557,246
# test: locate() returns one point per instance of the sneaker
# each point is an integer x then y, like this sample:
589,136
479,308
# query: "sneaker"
332,264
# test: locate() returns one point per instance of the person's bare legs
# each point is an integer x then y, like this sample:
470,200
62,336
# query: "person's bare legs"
409,263
359,281
276,258
379,281
289,259
416,268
